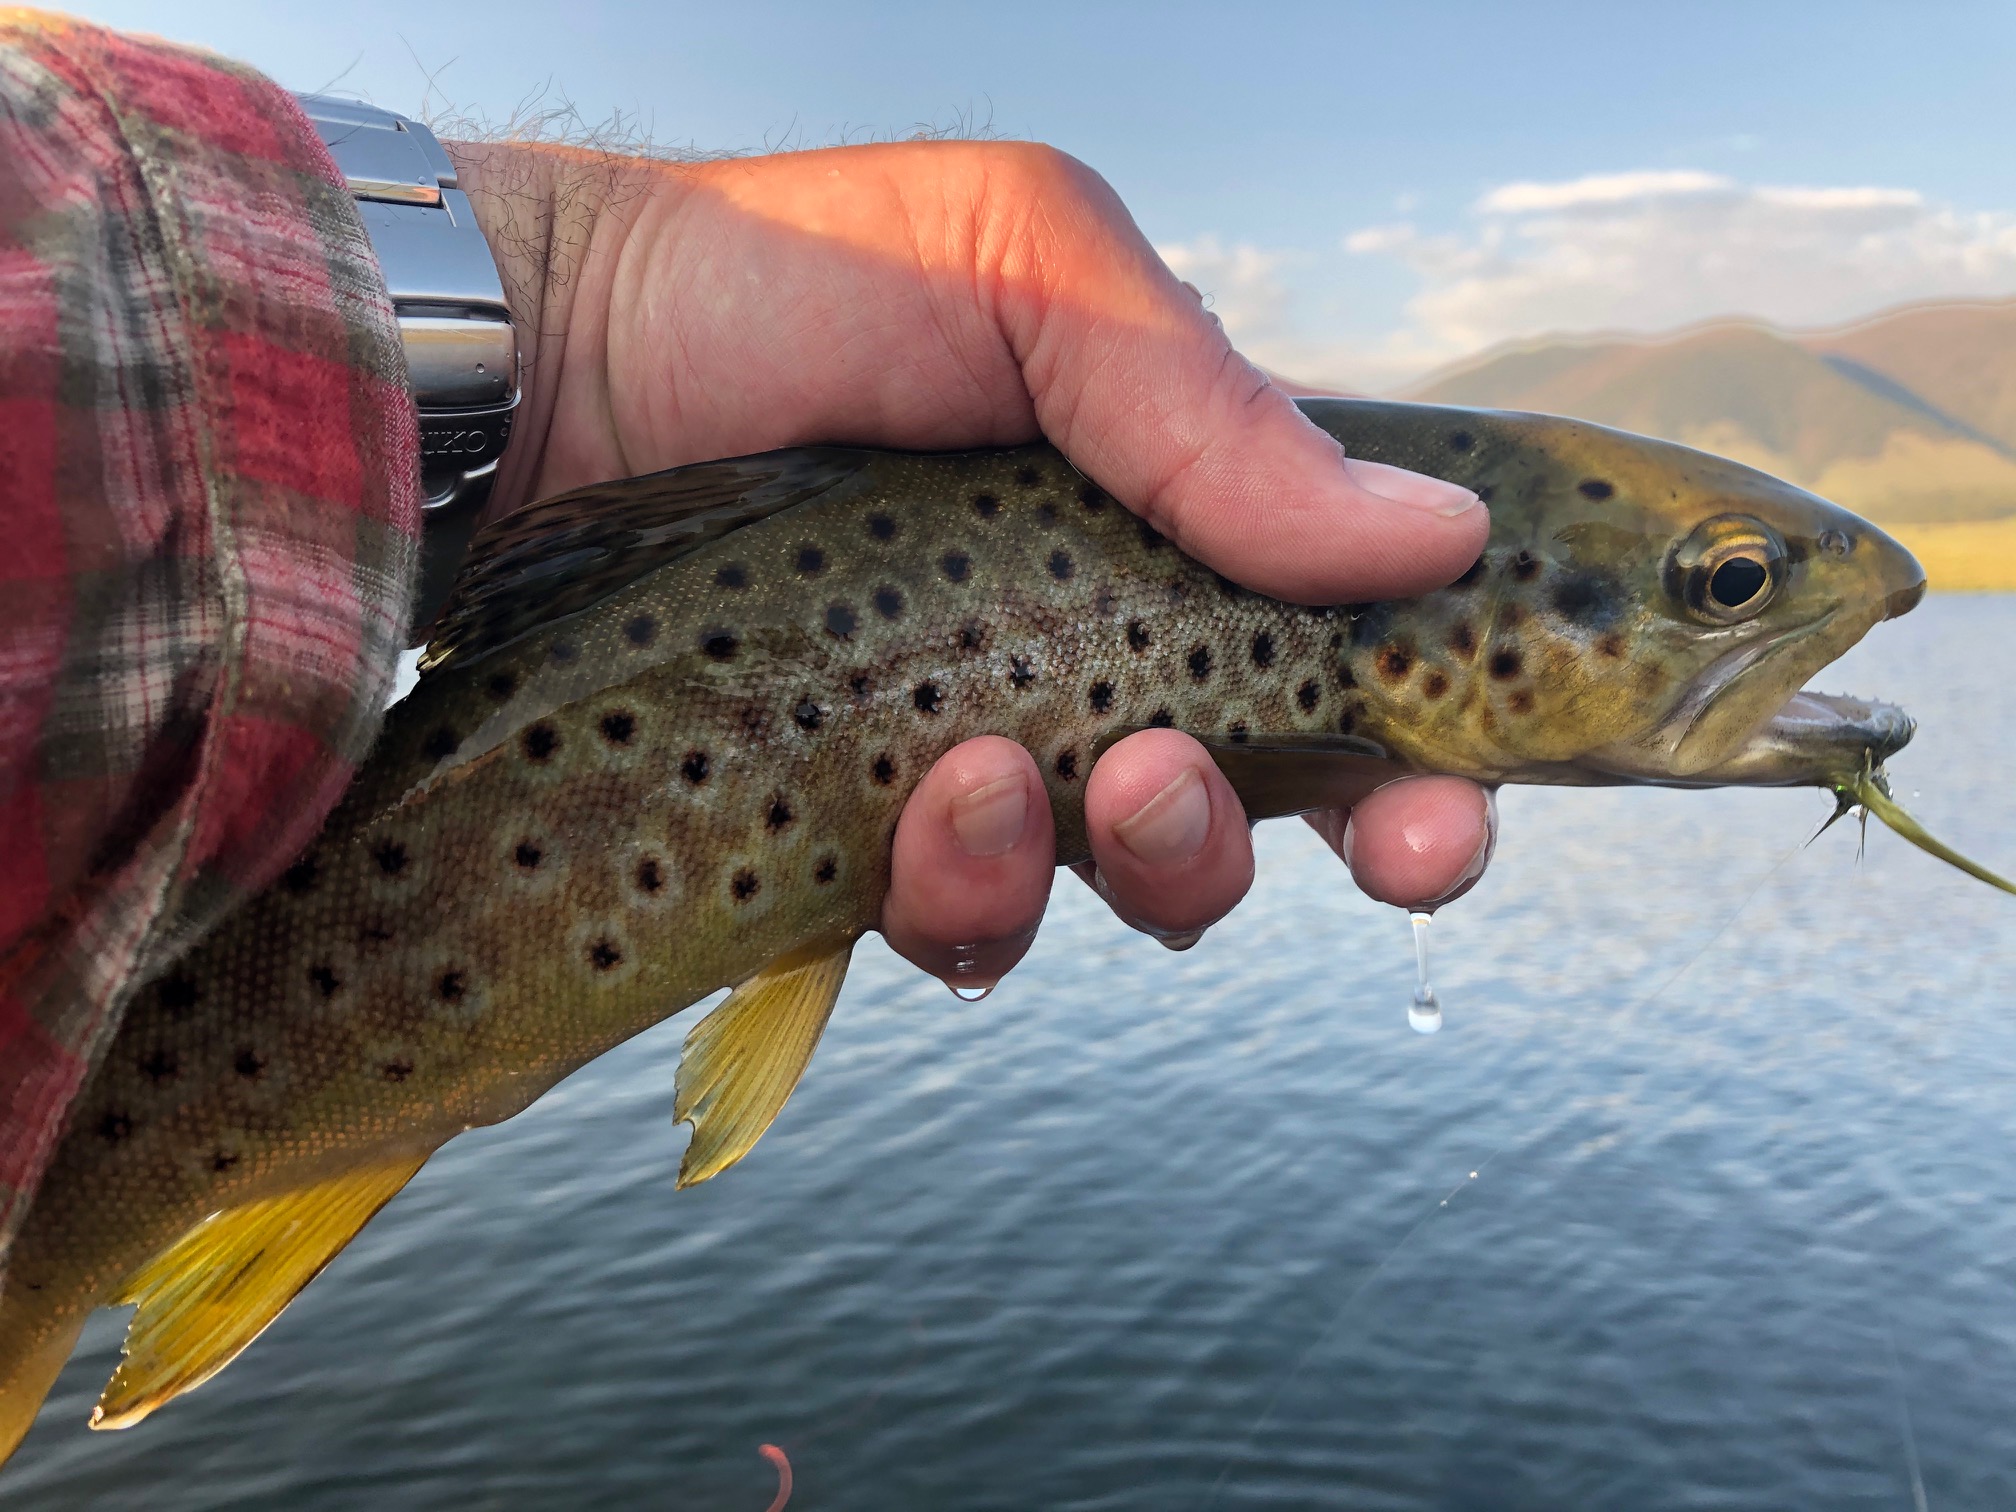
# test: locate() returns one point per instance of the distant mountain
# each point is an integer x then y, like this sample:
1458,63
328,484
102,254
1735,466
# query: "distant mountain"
1909,417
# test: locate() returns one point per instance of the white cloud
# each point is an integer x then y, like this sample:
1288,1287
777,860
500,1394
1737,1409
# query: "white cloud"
1639,251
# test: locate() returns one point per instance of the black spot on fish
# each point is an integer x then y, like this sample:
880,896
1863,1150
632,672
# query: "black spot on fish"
618,725
745,885
325,980
1020,673
452,986
1395,662
1061,565
956,565
1103,602
1434,685
1472,574
1199,662
604,955
541,741
650,876
1595,488
1101,696
1137,636
861,685
1611,645
114,1128
839,621
177,995
1521,702
1162,719
1047,512
440,745
1307,694
720,643
641,630
971,634
301,877
889,602
1463,640
1525,566
249,1063
222,1160
566,653
780,814
927,697
732,575
1237,732
160,1066
1506,663
1067,765
1151,538
391,857
1092,496
1346,722
811,560
1028,477
396,1070
826,870
881,527
502,685
808,715
987,504
1462,441
1263,649
527,856
1345,679
883,771
1584,598
694,767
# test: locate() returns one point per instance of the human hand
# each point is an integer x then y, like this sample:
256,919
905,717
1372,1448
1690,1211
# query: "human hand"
946,295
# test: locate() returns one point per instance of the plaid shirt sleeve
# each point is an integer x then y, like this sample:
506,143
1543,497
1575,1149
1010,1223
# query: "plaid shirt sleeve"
208,520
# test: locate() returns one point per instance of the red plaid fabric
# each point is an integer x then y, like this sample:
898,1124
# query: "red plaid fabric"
209,488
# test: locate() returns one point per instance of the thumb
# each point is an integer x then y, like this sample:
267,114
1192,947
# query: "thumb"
1139,385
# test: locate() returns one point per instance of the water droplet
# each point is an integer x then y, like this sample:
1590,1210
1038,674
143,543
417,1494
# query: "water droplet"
966,965
1424,1014
972,994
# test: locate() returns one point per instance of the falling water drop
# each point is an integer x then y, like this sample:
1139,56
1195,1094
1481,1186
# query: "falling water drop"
972,994
1424,1014
964,964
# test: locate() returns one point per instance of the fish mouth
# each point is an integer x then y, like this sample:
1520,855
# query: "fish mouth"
1815,740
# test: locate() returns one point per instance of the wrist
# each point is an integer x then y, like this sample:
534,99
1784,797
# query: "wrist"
546,213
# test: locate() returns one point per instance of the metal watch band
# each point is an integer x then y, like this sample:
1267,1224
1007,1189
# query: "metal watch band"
461,348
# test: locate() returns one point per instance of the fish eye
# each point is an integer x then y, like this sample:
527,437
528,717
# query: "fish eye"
1728,569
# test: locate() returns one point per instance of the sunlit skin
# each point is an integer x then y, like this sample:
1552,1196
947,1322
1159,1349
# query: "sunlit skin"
949,295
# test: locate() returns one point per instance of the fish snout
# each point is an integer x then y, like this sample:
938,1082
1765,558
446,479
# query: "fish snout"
1904,600
1899,578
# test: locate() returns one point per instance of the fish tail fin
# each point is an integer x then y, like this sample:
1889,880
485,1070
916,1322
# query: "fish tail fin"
33,1347
215,1289
742,1062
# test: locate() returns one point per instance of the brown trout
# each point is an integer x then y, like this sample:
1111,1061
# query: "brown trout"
665,732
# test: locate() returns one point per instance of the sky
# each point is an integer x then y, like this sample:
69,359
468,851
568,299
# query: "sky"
1365,192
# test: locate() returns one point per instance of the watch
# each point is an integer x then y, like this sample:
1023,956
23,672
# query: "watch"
461,348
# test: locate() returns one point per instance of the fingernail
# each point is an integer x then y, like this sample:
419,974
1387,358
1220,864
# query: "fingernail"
1172,826
989,820
1415,490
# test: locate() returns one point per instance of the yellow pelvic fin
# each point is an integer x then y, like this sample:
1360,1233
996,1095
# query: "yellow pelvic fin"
35,1352
743,1060
214,1290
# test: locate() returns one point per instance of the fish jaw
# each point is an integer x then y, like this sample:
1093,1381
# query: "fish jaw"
1815,740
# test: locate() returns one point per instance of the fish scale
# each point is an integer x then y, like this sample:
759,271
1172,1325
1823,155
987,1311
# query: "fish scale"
673,763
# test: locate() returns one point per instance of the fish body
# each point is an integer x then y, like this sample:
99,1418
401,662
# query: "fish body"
666,733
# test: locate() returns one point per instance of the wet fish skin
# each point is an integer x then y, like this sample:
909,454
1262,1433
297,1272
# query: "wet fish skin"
560,841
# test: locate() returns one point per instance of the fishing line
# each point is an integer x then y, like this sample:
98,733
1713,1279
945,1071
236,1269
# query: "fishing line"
1344,1308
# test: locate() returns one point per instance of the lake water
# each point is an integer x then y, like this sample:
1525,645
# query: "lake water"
1704,1198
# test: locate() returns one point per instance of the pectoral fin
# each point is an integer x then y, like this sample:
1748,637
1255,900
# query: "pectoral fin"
743,1060
214,1290
1279,775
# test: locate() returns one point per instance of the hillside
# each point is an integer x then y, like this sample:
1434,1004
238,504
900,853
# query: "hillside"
1908,418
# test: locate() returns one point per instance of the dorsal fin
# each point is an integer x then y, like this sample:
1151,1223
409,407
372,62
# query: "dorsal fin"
568,553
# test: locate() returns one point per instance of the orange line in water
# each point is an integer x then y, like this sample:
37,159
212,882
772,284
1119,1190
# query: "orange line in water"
777,1457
